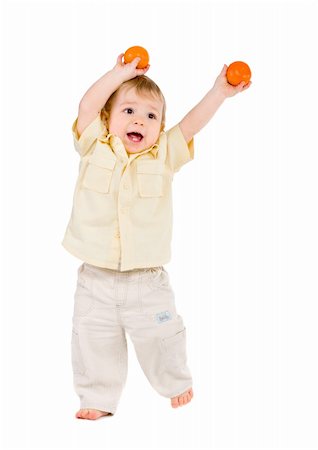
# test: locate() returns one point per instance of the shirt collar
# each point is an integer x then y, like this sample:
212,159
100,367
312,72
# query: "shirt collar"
116,144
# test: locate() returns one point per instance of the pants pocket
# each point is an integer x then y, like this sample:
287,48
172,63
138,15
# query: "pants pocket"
77,360
158,278
174,351
156,297
102,276
84,300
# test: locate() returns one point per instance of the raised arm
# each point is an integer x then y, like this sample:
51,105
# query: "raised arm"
98,94
201,114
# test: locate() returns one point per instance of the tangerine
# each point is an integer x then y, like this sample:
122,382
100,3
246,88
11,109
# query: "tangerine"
134,52
238,71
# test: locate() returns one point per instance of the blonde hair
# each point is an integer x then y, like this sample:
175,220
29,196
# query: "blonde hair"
143,85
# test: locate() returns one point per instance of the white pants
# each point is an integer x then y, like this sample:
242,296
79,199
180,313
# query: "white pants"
108,303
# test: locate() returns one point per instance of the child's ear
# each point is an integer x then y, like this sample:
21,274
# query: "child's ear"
105,117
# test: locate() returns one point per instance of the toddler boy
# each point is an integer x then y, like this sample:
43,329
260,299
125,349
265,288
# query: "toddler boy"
121,228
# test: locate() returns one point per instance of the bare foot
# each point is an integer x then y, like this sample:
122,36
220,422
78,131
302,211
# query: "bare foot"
91,414
182,399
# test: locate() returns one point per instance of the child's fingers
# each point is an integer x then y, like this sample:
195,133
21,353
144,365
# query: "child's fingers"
241,86
246,86
120,58
223,71
144,70
135,61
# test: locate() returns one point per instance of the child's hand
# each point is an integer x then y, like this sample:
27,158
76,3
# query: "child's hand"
129,70
225,88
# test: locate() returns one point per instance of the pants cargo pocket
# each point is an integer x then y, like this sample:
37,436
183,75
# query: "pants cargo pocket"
174,351
77,360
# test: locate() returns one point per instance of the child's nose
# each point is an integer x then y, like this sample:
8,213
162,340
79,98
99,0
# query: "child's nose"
138,122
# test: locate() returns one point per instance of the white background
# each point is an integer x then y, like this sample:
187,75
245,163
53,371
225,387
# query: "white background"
244,254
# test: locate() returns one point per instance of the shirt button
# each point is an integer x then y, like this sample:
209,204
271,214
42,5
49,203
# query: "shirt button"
117,234
125,186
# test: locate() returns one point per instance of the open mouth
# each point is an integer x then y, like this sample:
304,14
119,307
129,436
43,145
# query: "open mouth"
135,137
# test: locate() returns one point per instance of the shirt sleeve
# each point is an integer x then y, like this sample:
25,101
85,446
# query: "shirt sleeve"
89,135
179,152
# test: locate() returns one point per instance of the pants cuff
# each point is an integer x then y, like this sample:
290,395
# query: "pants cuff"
100,407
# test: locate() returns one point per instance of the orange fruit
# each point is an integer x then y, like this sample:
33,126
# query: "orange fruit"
238,71
134,52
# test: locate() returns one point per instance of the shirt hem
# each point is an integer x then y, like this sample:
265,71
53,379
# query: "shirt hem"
112,265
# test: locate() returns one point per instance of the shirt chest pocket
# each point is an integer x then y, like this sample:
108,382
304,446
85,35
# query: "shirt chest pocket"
99,172
150,178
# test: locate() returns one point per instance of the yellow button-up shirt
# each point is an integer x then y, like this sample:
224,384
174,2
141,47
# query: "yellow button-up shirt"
122,205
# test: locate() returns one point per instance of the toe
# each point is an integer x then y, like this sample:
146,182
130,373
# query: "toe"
92,414
174,402
182,399
80,414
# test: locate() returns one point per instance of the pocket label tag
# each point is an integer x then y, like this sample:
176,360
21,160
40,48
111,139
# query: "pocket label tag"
163,316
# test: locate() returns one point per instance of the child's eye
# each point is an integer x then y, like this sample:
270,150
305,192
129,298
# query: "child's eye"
152,116
129,110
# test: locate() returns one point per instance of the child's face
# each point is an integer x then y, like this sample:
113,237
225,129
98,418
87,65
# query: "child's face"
133,113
